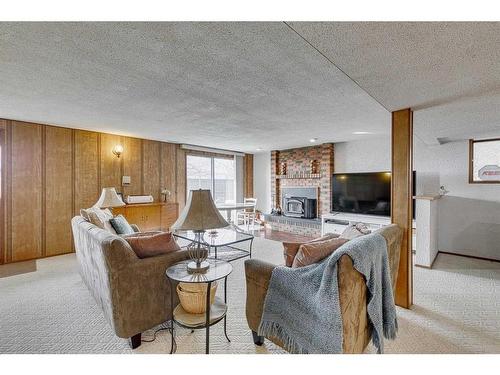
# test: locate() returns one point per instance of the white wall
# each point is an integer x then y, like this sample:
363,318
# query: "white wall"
374,155
262,181
469,215
365,155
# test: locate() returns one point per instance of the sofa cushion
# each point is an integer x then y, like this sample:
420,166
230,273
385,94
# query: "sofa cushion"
314,252
149,245
99,217
355,230
291,248
121,225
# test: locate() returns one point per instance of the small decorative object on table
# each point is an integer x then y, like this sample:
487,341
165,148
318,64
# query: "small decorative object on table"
283,169
198,215
137,199
120,195
165,195
193,296
314,167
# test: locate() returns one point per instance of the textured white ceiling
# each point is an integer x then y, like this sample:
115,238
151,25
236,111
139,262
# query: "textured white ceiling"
244,86
449,73
239,86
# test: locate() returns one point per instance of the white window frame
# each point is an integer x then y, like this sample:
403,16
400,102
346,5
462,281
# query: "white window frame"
212,173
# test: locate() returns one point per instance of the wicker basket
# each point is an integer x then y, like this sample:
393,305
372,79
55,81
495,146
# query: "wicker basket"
193,296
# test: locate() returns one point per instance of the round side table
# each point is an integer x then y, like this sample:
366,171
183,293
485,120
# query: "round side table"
215,313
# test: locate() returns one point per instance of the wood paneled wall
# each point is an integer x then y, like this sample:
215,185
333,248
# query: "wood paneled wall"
3,188
49,173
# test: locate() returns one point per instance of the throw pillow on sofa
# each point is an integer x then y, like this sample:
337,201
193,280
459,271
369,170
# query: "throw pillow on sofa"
99,217
121,225
292,248
355,230
313,252
147,245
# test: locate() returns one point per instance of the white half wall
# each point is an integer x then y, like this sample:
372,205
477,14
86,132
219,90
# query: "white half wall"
262,181
469,215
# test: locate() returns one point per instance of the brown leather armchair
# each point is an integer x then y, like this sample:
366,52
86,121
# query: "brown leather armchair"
352,294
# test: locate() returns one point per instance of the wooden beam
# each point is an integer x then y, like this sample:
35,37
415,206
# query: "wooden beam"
248,176
402,195
3,186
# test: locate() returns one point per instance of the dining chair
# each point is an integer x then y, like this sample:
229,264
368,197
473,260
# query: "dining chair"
248,214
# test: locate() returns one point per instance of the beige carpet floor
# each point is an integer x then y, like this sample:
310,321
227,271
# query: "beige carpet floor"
457,310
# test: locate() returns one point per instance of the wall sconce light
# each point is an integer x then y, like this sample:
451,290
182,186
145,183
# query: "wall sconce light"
117,150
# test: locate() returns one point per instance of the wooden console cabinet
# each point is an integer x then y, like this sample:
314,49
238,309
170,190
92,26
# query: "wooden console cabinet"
150,216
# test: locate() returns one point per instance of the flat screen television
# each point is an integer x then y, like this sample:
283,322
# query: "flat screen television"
362,193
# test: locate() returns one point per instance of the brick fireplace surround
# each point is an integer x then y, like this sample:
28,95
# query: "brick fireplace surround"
299,174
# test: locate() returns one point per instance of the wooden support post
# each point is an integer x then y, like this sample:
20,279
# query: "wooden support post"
402,197
248,176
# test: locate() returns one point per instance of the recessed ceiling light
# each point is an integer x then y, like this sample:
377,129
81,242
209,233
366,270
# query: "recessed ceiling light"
361,133
312,140
259,148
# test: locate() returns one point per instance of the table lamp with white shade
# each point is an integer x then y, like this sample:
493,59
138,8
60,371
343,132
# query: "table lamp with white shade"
199,215
109,199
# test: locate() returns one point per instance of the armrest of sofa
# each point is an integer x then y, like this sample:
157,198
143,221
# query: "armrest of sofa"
352,299
258,276
141,293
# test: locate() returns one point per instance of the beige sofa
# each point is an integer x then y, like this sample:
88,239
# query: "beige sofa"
352,294
133,293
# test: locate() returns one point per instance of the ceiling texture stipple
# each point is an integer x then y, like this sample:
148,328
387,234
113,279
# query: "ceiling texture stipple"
248,86
447,72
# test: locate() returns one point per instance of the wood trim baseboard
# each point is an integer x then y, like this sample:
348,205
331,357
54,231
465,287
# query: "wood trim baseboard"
17,268
428,267
468,256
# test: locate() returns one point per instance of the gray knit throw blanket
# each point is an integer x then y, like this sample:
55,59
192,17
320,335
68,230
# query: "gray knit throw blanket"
302,306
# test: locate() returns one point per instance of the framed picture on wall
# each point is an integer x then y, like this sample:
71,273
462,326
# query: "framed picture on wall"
484,161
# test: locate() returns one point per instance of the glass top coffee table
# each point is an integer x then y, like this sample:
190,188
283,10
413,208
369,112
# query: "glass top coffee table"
225,244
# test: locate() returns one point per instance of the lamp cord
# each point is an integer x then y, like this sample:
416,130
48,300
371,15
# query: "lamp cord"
161,328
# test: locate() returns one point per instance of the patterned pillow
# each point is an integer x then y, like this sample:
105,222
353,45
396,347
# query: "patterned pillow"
355,230
99,217
313,252
121,225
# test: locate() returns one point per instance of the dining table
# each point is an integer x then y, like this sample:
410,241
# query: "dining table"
230,207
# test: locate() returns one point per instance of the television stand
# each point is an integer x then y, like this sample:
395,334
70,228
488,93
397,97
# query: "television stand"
336,222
